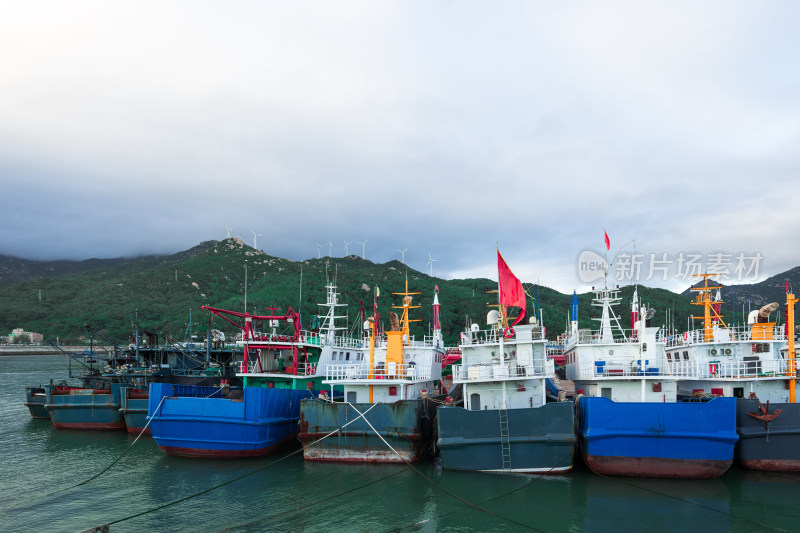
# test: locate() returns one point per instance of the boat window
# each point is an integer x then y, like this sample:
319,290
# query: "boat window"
605,392
347,357
685,356
669,356
351,396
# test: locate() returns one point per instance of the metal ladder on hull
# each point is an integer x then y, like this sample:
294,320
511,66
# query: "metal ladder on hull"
505,443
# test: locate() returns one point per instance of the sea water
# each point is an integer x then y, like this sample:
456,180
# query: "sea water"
146,490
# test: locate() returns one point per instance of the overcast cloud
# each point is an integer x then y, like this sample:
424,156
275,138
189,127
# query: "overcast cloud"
440,127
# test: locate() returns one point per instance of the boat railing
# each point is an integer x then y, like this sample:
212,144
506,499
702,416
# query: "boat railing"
498,371
731,334
391,371
551,350
493,336
610,368
618,336
303,369
694,369
751,369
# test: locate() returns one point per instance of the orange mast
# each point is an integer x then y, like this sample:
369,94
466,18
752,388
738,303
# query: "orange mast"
709,313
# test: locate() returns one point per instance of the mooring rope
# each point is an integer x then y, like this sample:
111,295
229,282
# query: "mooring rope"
205,491
503,495
438,486
684,500
103,471
696,504
309,505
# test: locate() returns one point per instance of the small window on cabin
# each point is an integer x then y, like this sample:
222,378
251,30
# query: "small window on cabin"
611,352
347,357
392,391
685,356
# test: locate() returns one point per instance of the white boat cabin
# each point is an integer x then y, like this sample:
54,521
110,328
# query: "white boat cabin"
619,364
498,372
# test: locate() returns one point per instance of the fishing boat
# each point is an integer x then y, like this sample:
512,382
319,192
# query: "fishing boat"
630,421
386,415
79,408
111,390
506,423
35,401
283,363
179,363
95,403
750,363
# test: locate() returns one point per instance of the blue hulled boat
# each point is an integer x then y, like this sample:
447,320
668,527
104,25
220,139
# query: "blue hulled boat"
751,363
283,364
198,421
630,420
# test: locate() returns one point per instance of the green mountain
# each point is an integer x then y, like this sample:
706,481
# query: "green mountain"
166,289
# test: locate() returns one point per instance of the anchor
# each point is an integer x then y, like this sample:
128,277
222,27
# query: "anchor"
765,416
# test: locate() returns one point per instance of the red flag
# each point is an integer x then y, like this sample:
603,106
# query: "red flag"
608,241
511,292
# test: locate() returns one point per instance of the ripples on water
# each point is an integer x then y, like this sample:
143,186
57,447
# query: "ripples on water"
293,495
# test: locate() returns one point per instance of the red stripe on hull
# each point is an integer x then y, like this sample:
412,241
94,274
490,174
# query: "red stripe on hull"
89,425
773,465
657,467
201,453
328,459
139,430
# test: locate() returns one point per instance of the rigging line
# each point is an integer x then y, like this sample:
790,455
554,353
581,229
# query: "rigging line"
776,474
432,482
174,502
103,471
732,515
509,493
307,506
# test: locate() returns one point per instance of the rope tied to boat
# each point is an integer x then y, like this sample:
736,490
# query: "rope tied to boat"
205,491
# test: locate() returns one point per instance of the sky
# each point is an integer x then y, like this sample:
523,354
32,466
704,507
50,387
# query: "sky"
448,129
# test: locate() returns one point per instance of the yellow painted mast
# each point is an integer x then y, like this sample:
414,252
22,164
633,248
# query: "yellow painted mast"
704,299
404,321
790,301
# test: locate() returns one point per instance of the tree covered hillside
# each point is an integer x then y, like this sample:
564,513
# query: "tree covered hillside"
165,290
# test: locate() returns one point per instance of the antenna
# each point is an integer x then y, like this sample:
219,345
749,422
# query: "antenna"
255,239
403,255
363,248
431,261
228,236
346,247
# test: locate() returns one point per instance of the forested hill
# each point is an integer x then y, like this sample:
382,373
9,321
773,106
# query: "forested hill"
165,289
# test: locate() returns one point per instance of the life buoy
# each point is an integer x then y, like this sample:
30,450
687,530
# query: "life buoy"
713,369
685,335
